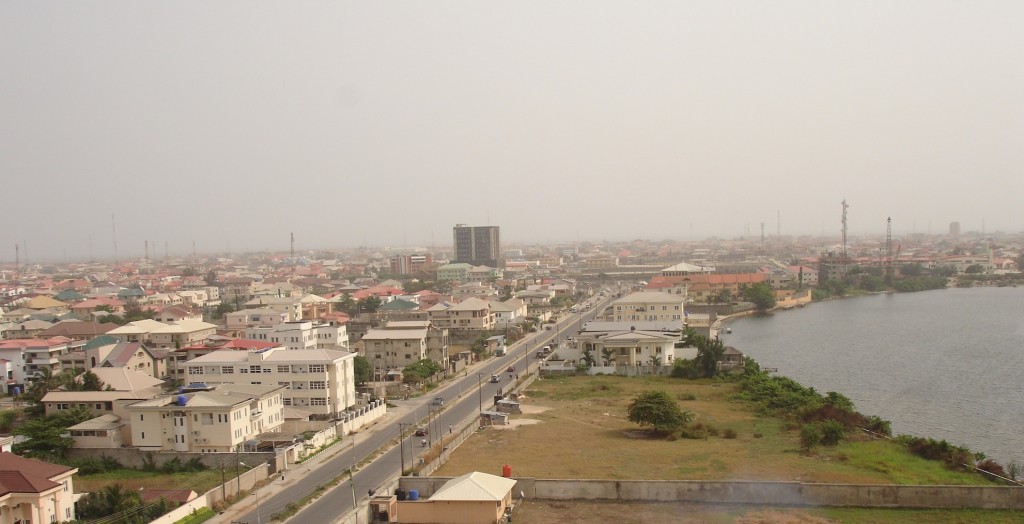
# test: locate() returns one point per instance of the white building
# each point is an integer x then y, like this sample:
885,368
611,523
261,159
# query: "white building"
320,381
207,420
649,307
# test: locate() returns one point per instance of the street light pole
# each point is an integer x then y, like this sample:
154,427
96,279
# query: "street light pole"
256,491
480,390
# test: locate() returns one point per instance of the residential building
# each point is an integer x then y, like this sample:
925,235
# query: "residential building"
629,347
473,498
136,331
400,343
259,317
480,245
509,312
320,381
292,306
178,313
136,357
180,334
177,359
410,264
203,419
650,307
470,314
77,330
238,289
35,491
455,272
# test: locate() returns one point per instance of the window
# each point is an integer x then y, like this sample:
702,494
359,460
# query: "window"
255,369
143,435
243,370
288,401
317,402
207,419
316,368
195,370
284,369
317,384
227,370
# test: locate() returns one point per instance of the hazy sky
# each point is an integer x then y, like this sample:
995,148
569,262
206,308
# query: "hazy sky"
236,123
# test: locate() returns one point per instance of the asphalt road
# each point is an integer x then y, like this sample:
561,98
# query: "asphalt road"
463,399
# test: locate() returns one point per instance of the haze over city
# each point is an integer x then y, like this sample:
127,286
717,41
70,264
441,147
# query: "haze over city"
233,124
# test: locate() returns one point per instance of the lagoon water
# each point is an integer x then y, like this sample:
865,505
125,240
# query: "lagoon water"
946,364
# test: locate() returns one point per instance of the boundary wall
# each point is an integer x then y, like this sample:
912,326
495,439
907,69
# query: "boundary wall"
755,492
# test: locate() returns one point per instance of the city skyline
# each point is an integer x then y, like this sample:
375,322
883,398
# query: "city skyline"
236,124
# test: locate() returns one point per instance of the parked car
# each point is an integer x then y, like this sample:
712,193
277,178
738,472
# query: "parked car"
421,432
438,401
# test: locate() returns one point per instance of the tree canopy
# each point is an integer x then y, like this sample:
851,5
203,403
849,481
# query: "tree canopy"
657,410
762,295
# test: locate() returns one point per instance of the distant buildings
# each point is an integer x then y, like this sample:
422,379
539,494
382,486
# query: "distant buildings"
410,264
477,245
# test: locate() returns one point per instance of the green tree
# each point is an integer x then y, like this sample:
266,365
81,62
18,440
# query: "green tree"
362,369
346,304
91,382
657,410
709,353
46,436
109,500
369,304
211,278
607,354
974,269
761,295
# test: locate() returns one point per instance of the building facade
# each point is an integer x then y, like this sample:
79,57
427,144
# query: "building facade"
477,245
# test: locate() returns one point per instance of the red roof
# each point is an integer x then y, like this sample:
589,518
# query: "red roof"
25,475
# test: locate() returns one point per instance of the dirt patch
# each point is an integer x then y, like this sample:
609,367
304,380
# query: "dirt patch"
516,422
530,409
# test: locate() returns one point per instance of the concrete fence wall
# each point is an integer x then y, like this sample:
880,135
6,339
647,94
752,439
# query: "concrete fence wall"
133,458
246,481
758,493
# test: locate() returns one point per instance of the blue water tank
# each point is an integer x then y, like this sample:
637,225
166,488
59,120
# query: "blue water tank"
414,494
182,400
16,390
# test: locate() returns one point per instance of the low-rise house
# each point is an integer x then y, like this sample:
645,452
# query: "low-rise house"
136,357
103,432
174,314
292,306
85,309
136,331
77,330
202,419
455,272
35,491
473,498
238,289
509,312
27,329
320,381
633,347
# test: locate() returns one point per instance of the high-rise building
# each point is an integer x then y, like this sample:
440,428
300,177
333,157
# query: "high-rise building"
954,229
477,245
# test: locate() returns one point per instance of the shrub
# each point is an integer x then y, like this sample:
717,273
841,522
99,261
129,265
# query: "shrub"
810,436
686,396
879,425
730,433
931,449
831,432
697,432
993,467
758,434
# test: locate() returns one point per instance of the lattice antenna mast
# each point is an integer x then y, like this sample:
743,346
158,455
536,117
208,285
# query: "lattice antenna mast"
888,248
845,207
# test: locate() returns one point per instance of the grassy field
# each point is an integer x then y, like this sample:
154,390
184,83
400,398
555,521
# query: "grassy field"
200,482
576,427
546,512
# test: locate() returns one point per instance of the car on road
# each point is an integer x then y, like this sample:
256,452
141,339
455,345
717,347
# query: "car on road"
421,432
438,401
495,379
511,369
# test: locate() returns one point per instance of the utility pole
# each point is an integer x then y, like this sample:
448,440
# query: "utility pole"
401,443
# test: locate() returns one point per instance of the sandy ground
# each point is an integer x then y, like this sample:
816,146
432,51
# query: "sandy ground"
579,512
